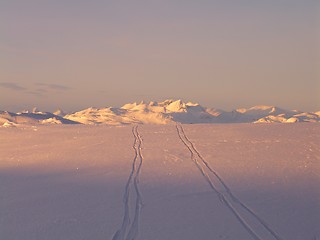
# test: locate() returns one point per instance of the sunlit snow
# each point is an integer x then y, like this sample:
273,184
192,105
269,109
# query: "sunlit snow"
180,182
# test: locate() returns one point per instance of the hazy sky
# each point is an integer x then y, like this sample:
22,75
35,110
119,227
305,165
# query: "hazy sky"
75,54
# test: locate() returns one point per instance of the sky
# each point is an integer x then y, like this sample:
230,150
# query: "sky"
74,54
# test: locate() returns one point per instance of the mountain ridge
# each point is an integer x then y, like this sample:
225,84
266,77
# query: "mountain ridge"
165,112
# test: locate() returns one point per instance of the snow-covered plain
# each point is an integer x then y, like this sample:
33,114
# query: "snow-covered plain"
166,182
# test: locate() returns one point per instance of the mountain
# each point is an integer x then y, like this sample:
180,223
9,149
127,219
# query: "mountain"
34,117
166,112
60,113
170,111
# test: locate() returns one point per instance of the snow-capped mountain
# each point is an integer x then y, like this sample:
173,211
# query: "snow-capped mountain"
170,111
25,117
166,112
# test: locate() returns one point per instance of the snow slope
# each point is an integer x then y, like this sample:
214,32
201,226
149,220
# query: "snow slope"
181,182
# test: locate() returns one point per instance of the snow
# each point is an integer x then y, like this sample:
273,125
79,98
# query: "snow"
166,112
292,120
34,117
176,106
51,121
70,182
60,113
170,111
273,119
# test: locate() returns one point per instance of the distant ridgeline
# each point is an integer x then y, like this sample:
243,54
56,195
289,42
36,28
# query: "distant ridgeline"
166,112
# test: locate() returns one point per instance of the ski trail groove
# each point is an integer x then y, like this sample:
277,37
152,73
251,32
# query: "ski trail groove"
229,192
134,230
222,198
236,200
127,232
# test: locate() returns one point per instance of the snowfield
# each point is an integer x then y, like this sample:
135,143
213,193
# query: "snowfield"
160,182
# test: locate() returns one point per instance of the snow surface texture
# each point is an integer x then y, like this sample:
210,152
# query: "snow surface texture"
166,182
169,111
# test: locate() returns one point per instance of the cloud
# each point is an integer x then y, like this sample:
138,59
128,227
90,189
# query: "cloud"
12,86
40,92
54,86
35,93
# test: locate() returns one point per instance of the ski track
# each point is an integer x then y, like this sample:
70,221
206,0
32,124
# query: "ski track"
195,155
127,231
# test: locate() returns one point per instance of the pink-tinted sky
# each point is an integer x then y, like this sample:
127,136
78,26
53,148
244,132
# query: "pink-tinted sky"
226,54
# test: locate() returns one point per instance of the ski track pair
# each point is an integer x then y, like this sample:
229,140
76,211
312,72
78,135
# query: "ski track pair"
129,230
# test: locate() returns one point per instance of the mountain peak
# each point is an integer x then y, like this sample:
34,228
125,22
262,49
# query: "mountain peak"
176,106
59,112
165,112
